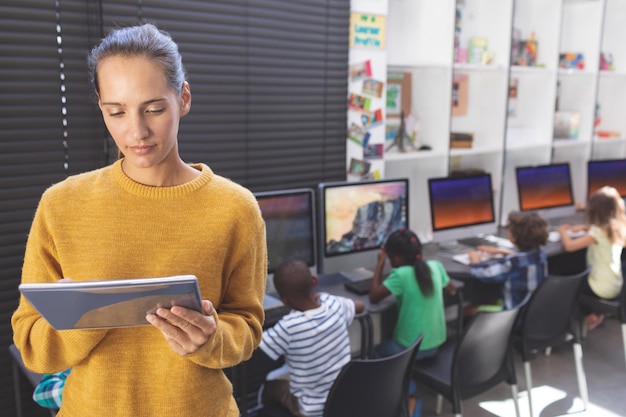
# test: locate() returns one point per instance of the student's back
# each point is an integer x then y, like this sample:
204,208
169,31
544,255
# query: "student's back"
313,338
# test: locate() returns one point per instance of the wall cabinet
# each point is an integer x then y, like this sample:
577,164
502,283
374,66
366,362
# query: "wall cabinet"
511,95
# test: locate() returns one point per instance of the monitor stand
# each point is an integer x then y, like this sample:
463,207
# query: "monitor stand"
453,247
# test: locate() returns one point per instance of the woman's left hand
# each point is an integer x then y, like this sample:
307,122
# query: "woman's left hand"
185,330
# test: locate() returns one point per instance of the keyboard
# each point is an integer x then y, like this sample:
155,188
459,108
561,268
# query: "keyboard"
463,258
475,241
360,287
487,240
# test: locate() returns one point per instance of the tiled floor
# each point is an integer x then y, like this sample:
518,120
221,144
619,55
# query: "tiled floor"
555,387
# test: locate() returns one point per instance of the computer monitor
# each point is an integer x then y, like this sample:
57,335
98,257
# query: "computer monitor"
290,227
355,219
611,172
461,207
546,189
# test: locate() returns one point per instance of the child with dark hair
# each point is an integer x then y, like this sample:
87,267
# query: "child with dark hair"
313,339
417,285
604,239
519,271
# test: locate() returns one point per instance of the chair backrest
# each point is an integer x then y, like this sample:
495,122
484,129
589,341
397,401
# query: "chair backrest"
547,317
373,387
483,356
622,304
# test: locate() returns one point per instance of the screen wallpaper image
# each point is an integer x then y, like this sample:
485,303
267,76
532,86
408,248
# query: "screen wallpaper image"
360,217
611,173
289,228
544,187
457,202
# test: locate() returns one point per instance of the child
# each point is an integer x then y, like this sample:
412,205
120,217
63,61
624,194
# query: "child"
519,272
417,285
49,392
313,339
604,240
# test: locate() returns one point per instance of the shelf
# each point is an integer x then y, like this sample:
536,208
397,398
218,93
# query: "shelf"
531,70
478,68
403,156
613,74
569,143
608,142
576,72
524,146
409,66
475,151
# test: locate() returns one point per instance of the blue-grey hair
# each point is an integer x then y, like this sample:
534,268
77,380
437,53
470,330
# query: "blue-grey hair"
144,40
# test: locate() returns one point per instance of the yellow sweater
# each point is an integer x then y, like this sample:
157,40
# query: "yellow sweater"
101,225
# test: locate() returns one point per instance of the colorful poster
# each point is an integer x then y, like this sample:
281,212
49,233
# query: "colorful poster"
367,31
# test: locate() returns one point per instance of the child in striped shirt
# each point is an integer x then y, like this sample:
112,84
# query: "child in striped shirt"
313,339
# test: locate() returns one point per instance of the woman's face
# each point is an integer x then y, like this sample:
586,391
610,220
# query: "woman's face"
141,111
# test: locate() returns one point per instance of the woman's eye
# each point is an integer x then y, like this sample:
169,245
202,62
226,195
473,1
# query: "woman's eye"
155,111
115,114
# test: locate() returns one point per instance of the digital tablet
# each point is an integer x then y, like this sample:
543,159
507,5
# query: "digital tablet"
109,304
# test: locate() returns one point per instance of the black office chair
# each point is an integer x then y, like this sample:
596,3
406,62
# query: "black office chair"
549,319
18,369
616,307
367,388
470,365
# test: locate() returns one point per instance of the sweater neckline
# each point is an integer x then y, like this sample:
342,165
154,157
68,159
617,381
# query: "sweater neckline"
148,191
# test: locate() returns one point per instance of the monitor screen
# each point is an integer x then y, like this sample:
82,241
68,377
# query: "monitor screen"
290,226
461,207
355,220
608,172
547,189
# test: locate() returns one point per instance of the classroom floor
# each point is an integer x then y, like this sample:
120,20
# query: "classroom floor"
555,387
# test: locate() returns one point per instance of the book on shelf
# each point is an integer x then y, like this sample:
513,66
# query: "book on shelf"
566,124
476,48
571,60
461,140
460,94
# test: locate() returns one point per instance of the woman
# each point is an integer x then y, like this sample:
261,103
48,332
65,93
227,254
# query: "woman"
149,214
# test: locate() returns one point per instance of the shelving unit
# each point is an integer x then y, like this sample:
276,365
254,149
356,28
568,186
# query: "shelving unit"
420,39
508,131
612,86
578,88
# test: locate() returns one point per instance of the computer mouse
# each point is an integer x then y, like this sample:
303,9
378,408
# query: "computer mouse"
425,148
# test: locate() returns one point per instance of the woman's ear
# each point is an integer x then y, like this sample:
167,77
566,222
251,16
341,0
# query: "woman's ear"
185,96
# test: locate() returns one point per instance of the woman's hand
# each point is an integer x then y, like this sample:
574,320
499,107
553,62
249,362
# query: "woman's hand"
185,330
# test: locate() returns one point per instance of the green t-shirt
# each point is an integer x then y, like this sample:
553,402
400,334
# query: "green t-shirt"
416,313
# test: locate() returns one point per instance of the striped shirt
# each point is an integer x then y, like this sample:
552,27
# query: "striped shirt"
316,345
49,392
520,274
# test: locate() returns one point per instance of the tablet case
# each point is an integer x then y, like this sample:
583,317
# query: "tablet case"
110,304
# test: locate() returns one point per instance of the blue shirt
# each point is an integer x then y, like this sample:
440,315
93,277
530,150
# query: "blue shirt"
49,391
520,274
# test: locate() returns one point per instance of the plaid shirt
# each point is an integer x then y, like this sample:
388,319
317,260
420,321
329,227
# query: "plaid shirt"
49,392
520,273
